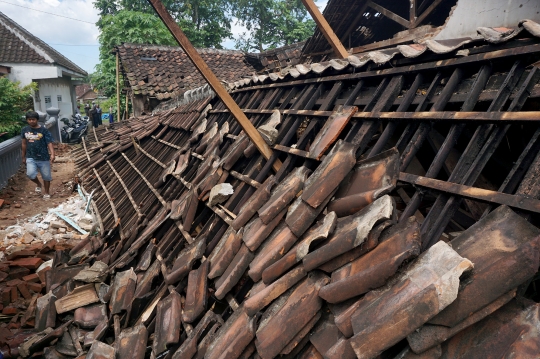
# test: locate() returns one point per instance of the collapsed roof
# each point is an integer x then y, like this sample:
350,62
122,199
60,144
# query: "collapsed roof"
403,222
406,207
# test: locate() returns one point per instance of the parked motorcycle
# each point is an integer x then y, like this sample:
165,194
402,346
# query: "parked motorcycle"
74,130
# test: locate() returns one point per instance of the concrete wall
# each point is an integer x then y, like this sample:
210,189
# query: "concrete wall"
468,15
52,80
54,88
26,73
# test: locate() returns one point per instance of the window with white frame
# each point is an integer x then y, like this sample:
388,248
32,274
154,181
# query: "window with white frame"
48,101
59,98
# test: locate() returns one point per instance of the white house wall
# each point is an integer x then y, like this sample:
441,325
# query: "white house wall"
54,88
50,82
468,15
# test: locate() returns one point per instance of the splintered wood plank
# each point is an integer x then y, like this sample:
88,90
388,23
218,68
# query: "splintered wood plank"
79,297
331,130
326,29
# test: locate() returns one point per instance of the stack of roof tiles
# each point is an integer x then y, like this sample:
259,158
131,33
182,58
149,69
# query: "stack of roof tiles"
396,227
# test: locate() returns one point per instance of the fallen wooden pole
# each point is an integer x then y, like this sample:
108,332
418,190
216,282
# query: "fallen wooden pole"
213,81
474,193
325,28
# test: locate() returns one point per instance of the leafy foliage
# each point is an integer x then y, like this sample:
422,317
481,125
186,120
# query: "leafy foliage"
206,23
271,23
14,102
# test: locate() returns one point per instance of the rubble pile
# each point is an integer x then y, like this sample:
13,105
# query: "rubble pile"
297,271
42,228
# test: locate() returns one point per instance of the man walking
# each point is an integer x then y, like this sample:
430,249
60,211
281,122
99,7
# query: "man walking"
37,152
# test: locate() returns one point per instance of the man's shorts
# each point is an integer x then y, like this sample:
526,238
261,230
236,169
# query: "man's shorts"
33,166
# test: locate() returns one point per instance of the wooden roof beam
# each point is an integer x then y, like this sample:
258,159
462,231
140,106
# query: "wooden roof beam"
213,81
326,29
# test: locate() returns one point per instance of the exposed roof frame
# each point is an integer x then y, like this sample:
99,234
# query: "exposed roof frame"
414,18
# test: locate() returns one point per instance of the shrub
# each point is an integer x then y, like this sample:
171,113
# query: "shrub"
14,102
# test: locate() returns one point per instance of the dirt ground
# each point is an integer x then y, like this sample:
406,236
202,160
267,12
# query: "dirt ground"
20,199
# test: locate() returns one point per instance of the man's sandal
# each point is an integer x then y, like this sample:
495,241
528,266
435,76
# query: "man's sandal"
46,196
38,189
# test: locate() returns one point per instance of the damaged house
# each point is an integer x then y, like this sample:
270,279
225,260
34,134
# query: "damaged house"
153,74
397,216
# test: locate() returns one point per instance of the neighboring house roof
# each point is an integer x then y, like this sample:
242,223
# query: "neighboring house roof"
165,72
82,89
20,46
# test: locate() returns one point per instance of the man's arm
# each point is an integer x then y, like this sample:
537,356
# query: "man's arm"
51,151
24,150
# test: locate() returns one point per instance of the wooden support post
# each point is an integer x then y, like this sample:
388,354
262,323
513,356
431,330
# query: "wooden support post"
326,29
126,116
214,82
412,13
117,86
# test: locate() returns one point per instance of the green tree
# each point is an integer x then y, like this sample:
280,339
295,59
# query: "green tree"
271,23
14,102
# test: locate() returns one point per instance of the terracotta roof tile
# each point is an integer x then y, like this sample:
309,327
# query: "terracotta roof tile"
168,71
19,46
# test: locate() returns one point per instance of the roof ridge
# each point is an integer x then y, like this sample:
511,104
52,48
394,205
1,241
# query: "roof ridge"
178,48
38,45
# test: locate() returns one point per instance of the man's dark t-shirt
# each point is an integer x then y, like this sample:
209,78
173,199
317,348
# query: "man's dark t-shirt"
36,142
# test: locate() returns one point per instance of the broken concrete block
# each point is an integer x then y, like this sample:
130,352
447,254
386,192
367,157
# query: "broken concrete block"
32,229
27,238
95,274
268,131
58,224
220,193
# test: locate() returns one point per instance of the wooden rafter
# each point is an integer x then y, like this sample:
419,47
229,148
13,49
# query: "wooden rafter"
389,14
213,81
326,29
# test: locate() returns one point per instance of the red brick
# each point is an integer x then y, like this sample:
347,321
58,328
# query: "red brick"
14,294
19,254
14,326
14,282
30,263
23,289
3,276
18,272
31,278
6,296
35,287
9,311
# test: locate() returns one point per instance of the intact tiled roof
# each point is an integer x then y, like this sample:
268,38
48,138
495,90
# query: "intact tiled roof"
165,72
82,89
19,46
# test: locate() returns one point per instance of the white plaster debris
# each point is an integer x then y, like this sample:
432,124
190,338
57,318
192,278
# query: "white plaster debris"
45,227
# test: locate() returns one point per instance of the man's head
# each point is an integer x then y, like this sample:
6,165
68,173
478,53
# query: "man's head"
32,118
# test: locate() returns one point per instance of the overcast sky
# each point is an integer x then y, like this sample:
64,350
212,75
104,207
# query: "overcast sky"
77,40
